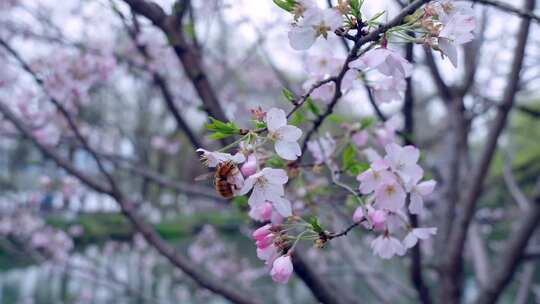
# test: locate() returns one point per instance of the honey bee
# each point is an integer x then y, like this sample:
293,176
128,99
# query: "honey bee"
224,179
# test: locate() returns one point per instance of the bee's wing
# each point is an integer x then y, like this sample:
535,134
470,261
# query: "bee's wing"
204,176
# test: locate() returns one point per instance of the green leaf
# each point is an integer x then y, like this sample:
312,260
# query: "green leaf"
225,128
313,107
336,118
259,124
374,18
314,222
355,8
357,168
218,135
350,163
366,122
288,95
348,158
287,5
240,202
275,162
297,119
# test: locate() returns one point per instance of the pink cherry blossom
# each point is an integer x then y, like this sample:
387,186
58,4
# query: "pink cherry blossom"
267,186
456,31
360,138
261,212
417,192
358,214
387,133
402,160
282,269
373,177
284,135
250,166
262,232
265,241
387,246
390,195
268,254
386,61
418,234
388,89
377,217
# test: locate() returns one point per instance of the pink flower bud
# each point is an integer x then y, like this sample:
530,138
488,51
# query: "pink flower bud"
266,212
358,215
264,241
262,232
282,269
360,138
377,218
250,166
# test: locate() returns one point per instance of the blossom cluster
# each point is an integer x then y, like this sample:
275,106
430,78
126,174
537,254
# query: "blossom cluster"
390,183
392,187
448,24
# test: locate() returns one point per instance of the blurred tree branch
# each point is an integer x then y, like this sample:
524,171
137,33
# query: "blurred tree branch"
453,266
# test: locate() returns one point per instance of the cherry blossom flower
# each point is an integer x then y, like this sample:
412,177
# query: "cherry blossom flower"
282,269
268,254
323,93
376,217
386,61
418,234
402,160
250,166
323,66
313,25
267,186
212,159
360,138
387,246
418,191
388,89
387,133
322,148
358,214
262,232
390,195
456,31
373,177
285,136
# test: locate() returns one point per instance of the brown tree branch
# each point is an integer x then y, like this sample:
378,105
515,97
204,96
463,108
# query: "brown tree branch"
513,254
188,55
128,209
505,7
452,269
159,80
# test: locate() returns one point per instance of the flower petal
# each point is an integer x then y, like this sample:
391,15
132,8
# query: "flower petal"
288,150
275,119
283,207
289,133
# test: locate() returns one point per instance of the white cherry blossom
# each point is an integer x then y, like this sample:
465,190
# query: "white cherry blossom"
402,160
285,136
267,186
316,23
418,234
417,192
387,246
386,61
